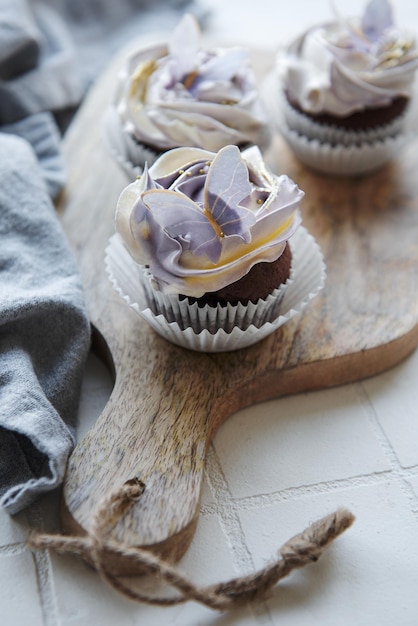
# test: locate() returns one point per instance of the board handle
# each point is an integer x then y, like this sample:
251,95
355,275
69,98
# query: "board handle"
159,439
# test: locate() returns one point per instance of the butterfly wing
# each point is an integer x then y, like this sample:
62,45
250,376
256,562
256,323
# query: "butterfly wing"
183,220
227,185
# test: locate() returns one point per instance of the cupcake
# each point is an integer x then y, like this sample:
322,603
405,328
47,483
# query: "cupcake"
180,94
343,90
203,250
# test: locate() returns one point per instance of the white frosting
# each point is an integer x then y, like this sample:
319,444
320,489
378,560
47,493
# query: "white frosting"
334,68
178,94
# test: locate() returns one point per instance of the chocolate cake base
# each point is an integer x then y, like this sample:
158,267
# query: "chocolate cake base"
360,120
260,281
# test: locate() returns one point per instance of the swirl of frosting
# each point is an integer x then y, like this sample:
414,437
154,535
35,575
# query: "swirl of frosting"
201,220
182,95
347,65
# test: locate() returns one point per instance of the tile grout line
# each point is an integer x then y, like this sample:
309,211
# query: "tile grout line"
44,573
389,452
12,549
262,500
230,523
46,588
231,527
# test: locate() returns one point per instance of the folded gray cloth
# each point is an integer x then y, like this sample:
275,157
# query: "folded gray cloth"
50,80
41,132
44,332
19,37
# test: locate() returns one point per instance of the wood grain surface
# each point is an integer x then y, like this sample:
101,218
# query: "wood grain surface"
167,402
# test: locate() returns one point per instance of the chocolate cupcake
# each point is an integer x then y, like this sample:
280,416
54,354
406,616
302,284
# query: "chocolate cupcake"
180,94
260,281
343,91
199,230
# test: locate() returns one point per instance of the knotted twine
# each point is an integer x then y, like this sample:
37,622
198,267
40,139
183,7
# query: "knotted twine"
98,545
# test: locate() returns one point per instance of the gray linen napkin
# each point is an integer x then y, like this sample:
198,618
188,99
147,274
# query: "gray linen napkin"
41,132
38,69
44,332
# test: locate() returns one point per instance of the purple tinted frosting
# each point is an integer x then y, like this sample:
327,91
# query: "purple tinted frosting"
201,220
180,94
347,65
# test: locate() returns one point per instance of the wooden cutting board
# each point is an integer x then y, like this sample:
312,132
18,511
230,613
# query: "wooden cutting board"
167,402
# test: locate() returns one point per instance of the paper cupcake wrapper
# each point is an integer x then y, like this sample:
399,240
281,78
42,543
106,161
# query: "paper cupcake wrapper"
325,133
334,151
344,160
130,155
211,318
308,278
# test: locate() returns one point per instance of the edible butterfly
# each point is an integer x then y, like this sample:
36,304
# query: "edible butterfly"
201,226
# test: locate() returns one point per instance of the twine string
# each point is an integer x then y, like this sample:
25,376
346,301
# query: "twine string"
97,546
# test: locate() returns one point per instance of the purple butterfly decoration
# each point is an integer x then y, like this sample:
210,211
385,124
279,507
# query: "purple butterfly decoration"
192,71
201,226
377,18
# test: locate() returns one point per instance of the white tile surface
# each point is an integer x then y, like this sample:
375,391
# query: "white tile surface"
272,453
13,530
413,482
370,564
19,597
271,470
395,400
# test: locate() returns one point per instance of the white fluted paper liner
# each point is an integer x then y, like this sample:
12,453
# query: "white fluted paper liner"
209,317
308,278
336,151
344,160
326,133
130,155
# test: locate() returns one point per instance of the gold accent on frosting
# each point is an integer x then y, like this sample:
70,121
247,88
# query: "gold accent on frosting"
253,245
144,231
393,55
249,247
140,78
190,78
